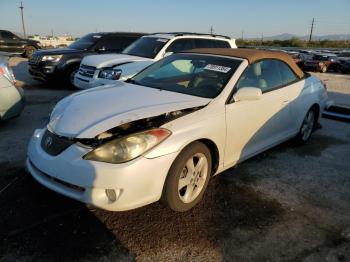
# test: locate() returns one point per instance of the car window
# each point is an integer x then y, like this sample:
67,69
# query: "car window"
266,75
222,44
198,75
8,35
180,45
288,76
146,47
110,43
129,40
204,43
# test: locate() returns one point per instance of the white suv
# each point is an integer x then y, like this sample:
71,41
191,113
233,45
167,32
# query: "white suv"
97,70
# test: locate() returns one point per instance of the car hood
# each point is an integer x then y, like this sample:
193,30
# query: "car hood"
58,51
109,60
88,113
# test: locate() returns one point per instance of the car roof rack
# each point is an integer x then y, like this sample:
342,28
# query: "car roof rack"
189,33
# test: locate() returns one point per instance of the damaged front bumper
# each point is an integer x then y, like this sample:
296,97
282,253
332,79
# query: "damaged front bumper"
133,184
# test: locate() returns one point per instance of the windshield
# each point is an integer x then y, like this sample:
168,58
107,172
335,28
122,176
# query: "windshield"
146,47
85,42
197,75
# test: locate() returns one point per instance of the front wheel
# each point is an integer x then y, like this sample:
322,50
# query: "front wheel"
69,76
188,178
307,127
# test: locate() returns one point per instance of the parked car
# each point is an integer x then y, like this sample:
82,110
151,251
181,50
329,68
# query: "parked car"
11,97
62,63
100,70
298,58
11,43
343,56
165,132
322,63
345,67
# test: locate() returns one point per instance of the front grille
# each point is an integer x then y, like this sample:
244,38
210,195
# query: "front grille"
35,59
87,71
66,184
54,144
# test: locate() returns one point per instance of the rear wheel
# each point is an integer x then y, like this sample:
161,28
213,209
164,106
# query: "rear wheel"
188,178
307,127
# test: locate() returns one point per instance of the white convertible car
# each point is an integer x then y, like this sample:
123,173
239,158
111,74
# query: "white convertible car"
165,132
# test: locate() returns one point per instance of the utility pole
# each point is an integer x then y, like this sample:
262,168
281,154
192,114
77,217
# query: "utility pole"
312,28
262,38
211,30
242,35
24,29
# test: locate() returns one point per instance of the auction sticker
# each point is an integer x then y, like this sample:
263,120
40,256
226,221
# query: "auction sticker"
217,68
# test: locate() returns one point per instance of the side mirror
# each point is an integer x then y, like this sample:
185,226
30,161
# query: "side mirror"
167,54
247,94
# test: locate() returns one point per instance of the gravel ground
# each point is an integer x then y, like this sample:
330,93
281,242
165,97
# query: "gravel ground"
290,203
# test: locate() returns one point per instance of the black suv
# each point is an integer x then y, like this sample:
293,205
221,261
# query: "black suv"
11,43
62,63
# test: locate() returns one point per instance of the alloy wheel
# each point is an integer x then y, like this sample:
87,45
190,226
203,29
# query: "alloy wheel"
308,125
193,177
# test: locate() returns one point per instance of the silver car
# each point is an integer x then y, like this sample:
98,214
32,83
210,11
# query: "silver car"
11,97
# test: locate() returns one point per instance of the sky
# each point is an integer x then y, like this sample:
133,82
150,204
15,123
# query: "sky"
230,17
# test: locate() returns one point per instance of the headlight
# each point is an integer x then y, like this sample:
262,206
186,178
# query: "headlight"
129,147
112,74
51,58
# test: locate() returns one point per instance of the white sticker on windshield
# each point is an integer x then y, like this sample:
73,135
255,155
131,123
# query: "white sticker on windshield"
162,40
96,36
217,68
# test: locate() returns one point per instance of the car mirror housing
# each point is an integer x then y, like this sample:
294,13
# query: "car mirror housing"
247,94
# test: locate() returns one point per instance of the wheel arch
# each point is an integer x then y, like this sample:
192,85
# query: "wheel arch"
317,109
214,152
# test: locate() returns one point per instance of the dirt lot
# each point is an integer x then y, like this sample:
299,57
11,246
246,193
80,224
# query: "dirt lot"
288,204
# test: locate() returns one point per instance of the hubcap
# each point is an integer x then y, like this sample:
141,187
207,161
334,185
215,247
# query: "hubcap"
308,125
193,177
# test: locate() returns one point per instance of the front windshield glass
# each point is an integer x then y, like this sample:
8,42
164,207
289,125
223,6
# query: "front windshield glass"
193,74
85,42
146,47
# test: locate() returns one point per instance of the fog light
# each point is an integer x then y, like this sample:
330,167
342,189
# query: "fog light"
112,196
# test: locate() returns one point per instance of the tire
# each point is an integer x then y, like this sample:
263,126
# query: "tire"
307,127
28,51
69,76
324,69
186,183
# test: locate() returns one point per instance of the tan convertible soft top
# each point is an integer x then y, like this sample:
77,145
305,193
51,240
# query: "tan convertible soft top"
252,55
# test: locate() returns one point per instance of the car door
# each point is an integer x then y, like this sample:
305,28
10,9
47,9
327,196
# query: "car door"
253,126
11,43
